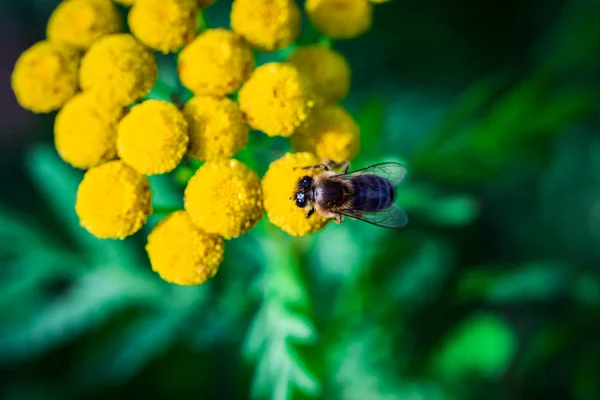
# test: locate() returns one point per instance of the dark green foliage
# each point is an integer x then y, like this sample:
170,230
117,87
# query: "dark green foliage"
491,291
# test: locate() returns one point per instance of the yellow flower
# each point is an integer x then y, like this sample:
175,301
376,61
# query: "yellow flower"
45,76
85,132
276,99
340,19
332,133
182,253
153,137
279,184
327,70
267,25
217,62
224,197
118,69
164,25
79,23
113,200
217,128
199,3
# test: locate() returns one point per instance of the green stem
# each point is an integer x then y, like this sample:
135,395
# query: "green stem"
202,22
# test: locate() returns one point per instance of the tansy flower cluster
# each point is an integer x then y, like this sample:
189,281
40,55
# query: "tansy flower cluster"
97,76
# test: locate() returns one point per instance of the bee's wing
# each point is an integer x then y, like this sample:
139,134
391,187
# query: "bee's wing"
392,217
393,171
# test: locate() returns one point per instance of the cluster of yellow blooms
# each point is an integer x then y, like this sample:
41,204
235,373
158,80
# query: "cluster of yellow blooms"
98,78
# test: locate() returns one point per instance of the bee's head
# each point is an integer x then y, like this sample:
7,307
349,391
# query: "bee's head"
302,195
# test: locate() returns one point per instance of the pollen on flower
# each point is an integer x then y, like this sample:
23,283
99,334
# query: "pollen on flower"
183,254
113,200
224,197
79,23
153,137
276,99
332,133
268,25
279,184
118,69
217,128
216,62
340,19
85,132
163,25
45,76
327,70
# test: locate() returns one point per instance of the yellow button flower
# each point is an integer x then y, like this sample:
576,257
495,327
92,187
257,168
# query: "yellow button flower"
224,197
217,62
182,253
45,76
113,200
164,25
153,137
276,99
267,25
118,69
217,128
327,70
332,133
279,184
340,19
85,132
199,3
79,23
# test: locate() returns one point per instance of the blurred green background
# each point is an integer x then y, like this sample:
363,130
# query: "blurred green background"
492,291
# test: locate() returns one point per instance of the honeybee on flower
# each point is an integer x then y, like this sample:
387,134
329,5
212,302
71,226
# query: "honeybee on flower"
116,123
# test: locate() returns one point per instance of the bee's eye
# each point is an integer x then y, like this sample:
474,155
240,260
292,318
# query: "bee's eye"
300,200
306,181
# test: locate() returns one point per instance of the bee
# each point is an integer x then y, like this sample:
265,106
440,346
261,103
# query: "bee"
366,194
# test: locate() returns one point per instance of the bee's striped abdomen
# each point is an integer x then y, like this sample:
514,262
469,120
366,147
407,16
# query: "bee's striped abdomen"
372,193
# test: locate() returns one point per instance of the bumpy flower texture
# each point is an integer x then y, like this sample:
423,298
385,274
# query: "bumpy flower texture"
85,132
118,69
268,25
79,23
277,99
113,200
332,133
182,253
279,184
217,62
327,70
163,25
153,137
217,128
199,3
340,19
224,198
45,76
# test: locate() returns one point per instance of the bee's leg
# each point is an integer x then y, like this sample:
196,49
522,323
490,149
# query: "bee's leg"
339,218
310,212
324,166
335,165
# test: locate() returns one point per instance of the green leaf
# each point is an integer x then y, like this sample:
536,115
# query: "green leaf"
482,345
535,281
92,299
